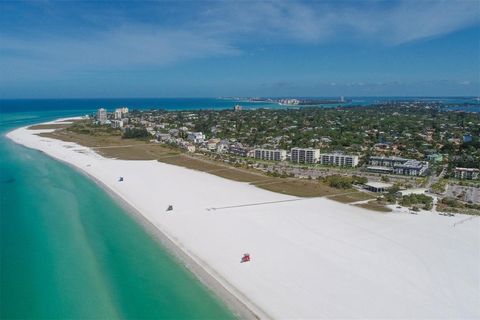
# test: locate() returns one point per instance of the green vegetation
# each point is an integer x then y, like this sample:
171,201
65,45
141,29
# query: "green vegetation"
339,182
390,197
415,200
439,186
89,128
343,182
453,205
385,179
411,130
135,133
113,146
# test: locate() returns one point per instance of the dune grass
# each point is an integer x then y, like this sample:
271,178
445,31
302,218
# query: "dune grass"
113,146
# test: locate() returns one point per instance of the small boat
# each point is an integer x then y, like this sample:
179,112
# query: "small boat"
170,208
120,179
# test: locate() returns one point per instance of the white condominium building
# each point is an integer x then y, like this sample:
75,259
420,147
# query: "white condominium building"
120,112
102,115
305,155
338,159
266,154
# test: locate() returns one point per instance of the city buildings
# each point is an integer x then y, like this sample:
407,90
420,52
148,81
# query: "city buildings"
102,116
338,159
305,155
266,154
386,161
239,150
164,137
396,165
411,168
196,137
466,173
120,112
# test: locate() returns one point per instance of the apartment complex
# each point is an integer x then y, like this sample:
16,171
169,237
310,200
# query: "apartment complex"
386,161
266,154
411,168
396,165
338,159
467,173
305,155
120,112
102,115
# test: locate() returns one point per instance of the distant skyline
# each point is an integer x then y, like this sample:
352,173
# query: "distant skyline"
103,49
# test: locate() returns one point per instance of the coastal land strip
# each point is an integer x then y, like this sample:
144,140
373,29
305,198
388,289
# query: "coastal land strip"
235,301
312,257
115,147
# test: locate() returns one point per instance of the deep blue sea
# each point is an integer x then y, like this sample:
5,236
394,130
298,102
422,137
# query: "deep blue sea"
67,250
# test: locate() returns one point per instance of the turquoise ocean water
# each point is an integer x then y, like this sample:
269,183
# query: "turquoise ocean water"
67,250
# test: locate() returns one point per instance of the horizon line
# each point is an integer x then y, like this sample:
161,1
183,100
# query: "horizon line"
248,97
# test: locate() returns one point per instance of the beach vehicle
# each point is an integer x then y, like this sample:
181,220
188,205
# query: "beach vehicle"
169,208
120,179
245,258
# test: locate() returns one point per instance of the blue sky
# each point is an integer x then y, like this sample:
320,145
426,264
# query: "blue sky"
209,48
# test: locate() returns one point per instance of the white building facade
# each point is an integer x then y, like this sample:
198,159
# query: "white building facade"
338,159
102,115
273,155
120,112
396,165
305,155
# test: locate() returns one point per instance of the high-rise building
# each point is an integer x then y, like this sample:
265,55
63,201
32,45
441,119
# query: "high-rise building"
120,112
102,115
305,155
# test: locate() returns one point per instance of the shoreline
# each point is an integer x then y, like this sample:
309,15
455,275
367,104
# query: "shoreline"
241,307
314,258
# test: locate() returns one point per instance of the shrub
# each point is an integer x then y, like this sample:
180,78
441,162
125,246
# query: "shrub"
339,182
134,133
417,199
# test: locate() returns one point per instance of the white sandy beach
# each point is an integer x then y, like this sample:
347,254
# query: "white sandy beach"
311,258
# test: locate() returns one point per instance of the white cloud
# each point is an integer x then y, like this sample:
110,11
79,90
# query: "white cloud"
229,27
313,21
130,45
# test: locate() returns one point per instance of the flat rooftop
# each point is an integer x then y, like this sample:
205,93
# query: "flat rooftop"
378,185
